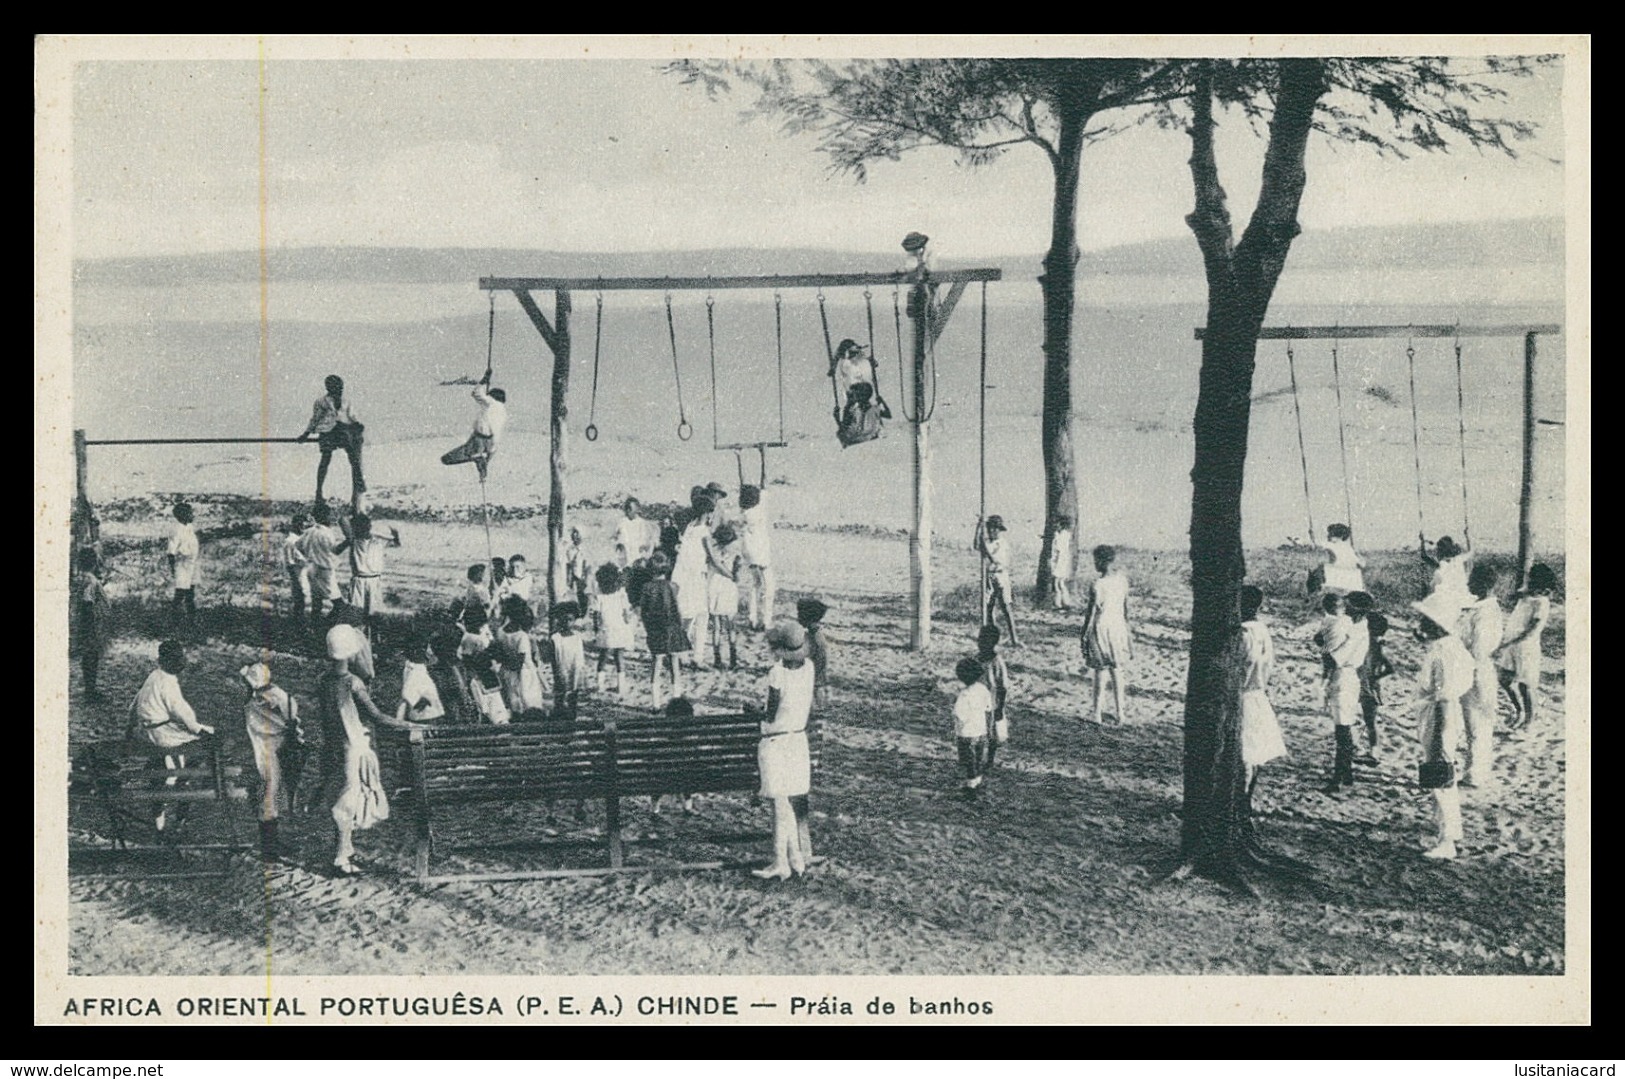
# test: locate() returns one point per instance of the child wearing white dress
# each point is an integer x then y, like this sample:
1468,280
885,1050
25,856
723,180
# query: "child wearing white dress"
521,681
1108,644
1344,568
420,697
1480,631
1252,660
569,659
1519,656
612,617
1449,561
722,591
783,756
1445,676
688,574
1060,564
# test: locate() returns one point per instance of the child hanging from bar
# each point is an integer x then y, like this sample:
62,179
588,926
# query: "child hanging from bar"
488,427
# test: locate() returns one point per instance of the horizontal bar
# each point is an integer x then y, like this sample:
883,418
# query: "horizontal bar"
1350,333
185,441
676,284
752,445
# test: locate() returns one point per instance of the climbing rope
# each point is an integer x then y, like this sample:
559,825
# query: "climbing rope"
685,430
1461,427
597,340
874,365
1416,440
711,337
1303,454
490,333
1343,439
829,350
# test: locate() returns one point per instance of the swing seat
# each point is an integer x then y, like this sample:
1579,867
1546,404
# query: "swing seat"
859,425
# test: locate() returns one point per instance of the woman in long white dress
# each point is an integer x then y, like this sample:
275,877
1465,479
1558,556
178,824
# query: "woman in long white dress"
688,575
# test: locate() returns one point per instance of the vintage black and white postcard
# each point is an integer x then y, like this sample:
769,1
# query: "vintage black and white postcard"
938,530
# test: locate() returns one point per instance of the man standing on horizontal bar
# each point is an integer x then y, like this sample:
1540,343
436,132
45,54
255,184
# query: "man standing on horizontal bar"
334,423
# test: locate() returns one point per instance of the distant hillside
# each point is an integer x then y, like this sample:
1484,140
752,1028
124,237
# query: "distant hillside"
1529,241
1519,242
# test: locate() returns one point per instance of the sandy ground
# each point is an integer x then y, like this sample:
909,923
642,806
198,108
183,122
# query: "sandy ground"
1056,870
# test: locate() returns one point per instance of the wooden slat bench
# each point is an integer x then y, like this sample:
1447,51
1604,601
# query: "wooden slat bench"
130,780
612,756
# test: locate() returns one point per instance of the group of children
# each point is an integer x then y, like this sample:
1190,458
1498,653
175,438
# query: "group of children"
1472,653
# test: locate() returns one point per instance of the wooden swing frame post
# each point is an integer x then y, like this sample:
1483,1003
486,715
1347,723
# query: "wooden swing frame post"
1529,333
557,336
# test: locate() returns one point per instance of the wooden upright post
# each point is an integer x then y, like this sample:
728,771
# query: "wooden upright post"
1526,497
557,586
919,540
86,531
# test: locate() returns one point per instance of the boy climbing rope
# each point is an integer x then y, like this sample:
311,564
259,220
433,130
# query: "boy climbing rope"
493,417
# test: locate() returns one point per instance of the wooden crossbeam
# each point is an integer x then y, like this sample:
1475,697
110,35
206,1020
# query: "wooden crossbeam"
544,327
1351,333
764,281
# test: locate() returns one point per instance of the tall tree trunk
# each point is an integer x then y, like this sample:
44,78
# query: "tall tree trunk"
558,433
1058,284
1217,826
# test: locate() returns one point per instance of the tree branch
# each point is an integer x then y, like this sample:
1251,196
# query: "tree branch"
1210,220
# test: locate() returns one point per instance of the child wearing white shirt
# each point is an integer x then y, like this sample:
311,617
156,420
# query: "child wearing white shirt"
488,428
183,566
973,714
321,547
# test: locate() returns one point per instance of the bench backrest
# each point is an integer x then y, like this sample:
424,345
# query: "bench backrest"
619,754
135,771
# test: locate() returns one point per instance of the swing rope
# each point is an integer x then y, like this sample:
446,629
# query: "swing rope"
930,404
1303,455
778,344
829,351
490,332
1416,441
711,336
874,365
981,451
1461,426
597,340
685,430
1343,439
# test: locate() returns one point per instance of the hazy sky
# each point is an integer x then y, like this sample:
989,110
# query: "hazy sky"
597,154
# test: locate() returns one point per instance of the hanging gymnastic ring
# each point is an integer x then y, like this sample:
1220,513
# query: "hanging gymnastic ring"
685,431
591,432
